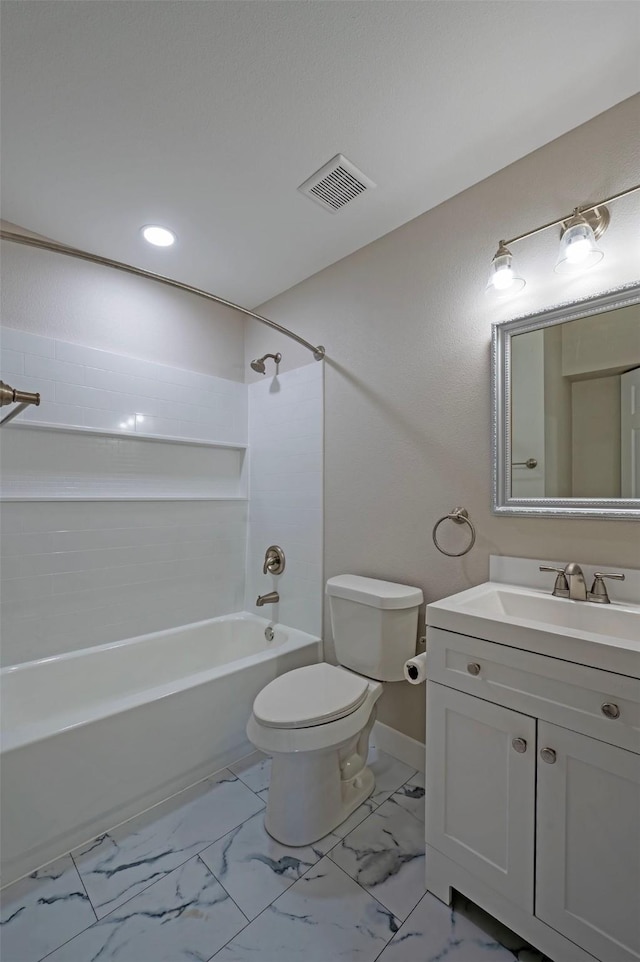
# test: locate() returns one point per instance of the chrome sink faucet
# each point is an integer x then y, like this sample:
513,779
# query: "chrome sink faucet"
575,580
598,591
570,583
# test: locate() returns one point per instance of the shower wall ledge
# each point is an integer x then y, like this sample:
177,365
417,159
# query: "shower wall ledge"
51,465
18,499
135,435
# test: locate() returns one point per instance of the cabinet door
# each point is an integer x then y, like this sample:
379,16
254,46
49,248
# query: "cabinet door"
481,789
588,843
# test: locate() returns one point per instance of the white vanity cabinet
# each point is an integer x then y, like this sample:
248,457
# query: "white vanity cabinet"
588,843
481,806
533,794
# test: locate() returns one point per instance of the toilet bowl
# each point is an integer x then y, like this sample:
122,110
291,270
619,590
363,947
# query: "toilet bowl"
315,721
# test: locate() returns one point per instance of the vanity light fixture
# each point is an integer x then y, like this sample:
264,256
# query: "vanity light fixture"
579,250
502,276
158,236
578,246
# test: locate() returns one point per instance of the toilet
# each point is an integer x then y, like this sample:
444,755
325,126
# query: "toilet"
315,721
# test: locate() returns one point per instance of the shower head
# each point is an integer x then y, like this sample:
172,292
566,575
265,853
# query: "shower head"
258,364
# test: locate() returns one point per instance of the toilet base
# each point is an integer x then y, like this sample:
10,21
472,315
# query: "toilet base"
311,793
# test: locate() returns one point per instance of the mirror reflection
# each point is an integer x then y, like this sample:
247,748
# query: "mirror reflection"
575,408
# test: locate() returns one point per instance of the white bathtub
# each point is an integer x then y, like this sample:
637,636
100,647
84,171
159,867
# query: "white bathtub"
92,737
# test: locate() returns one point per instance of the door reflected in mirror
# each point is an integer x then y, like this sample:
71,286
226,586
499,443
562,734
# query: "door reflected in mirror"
575,424
566,390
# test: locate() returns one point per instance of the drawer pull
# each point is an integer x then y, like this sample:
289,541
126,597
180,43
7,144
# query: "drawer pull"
609,710
520,745
474,668
548,755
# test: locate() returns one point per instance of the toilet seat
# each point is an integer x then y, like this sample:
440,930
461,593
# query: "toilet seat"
305,697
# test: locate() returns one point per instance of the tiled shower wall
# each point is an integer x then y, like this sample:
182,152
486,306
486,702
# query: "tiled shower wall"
77,573
99,389
286,494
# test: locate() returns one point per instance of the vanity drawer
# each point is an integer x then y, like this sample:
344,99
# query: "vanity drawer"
597,703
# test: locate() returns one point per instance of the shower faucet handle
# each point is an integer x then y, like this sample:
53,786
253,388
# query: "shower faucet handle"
274,560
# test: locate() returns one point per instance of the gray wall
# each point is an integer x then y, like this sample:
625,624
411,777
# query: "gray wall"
72,300
407,330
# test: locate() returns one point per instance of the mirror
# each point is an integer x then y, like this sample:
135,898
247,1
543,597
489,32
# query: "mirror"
566,410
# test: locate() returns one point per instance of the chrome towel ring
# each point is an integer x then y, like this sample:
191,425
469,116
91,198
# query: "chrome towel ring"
459,516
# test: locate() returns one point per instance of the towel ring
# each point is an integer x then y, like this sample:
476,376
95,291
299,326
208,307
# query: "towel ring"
459,516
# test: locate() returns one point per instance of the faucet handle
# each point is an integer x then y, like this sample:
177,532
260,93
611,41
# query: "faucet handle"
599,591
274,560
561,587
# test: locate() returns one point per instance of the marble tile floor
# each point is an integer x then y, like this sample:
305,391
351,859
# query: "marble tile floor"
198,878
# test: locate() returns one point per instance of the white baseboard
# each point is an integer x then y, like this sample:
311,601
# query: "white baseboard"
401,746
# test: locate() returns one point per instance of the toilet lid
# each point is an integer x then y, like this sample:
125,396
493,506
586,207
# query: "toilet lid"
309,696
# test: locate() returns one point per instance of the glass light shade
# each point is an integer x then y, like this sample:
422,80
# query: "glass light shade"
578,247
503,280
158,236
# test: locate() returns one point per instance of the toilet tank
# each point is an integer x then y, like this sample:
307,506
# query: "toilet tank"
374,624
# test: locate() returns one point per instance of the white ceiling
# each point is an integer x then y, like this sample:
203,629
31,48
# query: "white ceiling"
206,116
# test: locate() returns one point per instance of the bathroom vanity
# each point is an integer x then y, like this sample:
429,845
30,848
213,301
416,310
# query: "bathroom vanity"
533,766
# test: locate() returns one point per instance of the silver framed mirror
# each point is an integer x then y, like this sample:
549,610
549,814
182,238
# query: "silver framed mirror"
565,386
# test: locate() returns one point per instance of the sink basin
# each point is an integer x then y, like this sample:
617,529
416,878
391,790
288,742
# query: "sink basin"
512,602
605,636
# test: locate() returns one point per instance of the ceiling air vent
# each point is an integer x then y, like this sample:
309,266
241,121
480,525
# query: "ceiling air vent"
335,184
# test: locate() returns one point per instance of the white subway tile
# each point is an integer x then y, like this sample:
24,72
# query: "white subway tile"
24,543
105,557
195,413
124,600
53,370
26,589
136,367
124,574
46,389
27,566
117,537
125,405
129,384
107,420
16,340
224,433
11,362
12,521
93,357
203,383
49,412
159,426
108,361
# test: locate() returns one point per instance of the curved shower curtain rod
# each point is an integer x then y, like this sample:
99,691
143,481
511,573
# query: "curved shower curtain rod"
47,245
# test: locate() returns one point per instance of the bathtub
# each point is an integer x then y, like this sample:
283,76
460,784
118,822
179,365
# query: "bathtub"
92,737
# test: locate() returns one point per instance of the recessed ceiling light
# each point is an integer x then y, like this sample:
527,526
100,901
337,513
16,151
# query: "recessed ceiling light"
158,236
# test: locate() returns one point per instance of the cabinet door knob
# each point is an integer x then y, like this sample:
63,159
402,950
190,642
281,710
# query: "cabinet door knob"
520,745
609,710
548,755
473,668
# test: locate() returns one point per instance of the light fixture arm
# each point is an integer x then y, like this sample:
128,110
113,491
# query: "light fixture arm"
561,220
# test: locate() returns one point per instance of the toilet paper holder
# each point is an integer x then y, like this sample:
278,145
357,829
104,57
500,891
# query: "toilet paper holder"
415,669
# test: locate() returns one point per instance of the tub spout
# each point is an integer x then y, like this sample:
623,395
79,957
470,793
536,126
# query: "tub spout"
270,599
